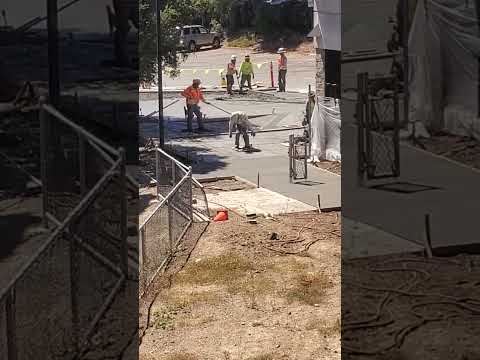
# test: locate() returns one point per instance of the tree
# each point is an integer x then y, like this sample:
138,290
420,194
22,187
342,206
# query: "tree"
173,14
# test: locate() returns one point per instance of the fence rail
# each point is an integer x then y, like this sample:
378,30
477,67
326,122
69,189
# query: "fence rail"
75,275
182,201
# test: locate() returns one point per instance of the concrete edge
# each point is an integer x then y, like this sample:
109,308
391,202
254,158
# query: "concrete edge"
324,170
274,192
440,157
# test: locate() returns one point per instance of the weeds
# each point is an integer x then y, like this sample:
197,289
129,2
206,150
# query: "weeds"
182,356
309,288
242,41
223,269
262,357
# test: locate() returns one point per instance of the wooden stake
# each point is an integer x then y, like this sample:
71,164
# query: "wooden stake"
319,203
258,180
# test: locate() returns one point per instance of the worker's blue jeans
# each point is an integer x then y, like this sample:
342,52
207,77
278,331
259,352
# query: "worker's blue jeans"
191,110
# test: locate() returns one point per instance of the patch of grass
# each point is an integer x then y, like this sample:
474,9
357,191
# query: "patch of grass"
223,269
165,318
241,41
182,356
262,357
187,300
308,288
194,323
325,329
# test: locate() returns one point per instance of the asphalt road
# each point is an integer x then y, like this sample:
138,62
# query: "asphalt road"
208,63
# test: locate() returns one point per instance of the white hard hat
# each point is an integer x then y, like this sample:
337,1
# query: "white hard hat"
234,57
281,51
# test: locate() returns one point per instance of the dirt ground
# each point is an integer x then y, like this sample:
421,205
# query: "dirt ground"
465,150
269,290
332,166
409,307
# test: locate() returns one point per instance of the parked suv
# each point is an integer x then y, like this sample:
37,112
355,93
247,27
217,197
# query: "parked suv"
194,37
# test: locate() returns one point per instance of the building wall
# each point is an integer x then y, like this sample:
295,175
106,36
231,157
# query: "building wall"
320,72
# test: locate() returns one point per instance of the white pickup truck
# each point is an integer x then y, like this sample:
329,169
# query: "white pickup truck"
194,37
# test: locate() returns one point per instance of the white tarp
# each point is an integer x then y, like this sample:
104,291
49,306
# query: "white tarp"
325,127
444,47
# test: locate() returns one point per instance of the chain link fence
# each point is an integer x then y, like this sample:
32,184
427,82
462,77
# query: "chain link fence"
182,201
75,275
379,124
298,156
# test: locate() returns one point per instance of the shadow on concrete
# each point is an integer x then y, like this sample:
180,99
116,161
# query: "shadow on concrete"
12,228
309,183
201,159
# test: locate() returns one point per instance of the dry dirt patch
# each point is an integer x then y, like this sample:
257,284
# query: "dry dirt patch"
409,307
464,150
243,295
332,166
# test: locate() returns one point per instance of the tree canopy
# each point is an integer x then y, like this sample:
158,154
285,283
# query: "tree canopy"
218,15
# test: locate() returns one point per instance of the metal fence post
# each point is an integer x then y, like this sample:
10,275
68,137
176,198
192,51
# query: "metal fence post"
170,232
190,177
290,156
11,326
73,293
174,173
82,164
141,247
305,159
43,118
157,170
123,212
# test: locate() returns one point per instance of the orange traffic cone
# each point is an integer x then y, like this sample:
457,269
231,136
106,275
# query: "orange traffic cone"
222,215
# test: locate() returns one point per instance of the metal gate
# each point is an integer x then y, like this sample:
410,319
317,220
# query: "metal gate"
377,115
298,155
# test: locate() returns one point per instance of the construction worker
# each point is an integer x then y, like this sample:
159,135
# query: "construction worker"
231,70
193,95
240,123
282,70
246,73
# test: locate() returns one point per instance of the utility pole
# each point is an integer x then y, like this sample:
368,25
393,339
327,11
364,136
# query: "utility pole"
161,128
53,56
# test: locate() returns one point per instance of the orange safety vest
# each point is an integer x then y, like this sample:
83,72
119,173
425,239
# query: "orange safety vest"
193,96
282,63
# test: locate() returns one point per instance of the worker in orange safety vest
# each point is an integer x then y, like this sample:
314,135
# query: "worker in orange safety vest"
193,95
282,70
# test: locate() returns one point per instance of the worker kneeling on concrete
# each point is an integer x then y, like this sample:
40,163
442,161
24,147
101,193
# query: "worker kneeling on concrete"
240,123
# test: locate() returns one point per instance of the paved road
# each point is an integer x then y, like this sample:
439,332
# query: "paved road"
301,71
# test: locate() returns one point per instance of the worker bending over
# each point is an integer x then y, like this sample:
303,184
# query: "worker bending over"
231,70
193,95
282,70
240,123
246,73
